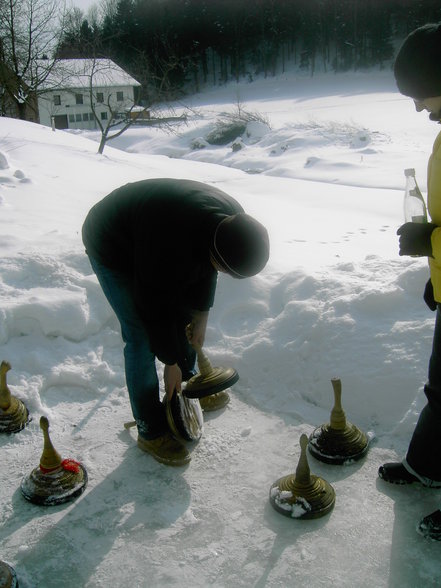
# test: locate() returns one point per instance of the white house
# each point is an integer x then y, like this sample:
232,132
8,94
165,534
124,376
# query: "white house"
77,88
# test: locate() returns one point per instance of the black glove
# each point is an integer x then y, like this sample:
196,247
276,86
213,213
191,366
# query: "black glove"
428,296
415,239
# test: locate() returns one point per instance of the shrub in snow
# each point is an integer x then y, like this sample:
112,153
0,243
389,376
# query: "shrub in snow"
360,139
199,143
237,145
224,132
231,125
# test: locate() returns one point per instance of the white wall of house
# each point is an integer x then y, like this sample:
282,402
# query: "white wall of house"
73,106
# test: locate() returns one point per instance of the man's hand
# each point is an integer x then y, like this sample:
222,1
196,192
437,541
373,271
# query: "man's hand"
195,331
415,239
172,379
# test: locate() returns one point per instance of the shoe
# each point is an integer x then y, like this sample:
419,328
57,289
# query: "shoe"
165,449
396,473
430,526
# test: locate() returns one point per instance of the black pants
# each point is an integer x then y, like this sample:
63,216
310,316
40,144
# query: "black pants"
139,359
424,453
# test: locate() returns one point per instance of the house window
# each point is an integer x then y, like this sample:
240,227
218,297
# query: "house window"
120,96
85,116
57,100
100,97
78,117
78,99
71,118
104,116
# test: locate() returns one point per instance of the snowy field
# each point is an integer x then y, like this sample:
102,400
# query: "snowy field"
326,178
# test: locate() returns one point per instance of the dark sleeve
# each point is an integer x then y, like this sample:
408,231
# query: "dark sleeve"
162,318
165,341
201,295
155,303
163,297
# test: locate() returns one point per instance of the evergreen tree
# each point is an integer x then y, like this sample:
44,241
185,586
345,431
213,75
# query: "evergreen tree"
174,46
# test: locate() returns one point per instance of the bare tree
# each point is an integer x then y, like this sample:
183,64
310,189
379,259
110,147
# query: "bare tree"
29,32
115,120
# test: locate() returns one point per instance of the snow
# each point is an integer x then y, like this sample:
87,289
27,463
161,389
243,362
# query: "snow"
77,73
335,300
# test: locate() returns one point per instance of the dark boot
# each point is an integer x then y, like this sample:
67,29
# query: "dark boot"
430,526
396,473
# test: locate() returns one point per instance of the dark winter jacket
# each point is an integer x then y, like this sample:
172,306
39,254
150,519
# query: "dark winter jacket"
158,232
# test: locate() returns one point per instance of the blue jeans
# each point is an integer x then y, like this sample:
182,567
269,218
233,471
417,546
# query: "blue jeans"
424,453
140,367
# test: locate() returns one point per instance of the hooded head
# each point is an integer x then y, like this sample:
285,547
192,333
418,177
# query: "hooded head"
240,245
417,66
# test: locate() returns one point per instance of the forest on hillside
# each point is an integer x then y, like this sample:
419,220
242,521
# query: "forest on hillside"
173,46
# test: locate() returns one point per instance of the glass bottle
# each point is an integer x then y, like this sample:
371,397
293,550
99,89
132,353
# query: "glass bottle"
415,210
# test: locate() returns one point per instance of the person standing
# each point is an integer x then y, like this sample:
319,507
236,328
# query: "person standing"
417,71
156,247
